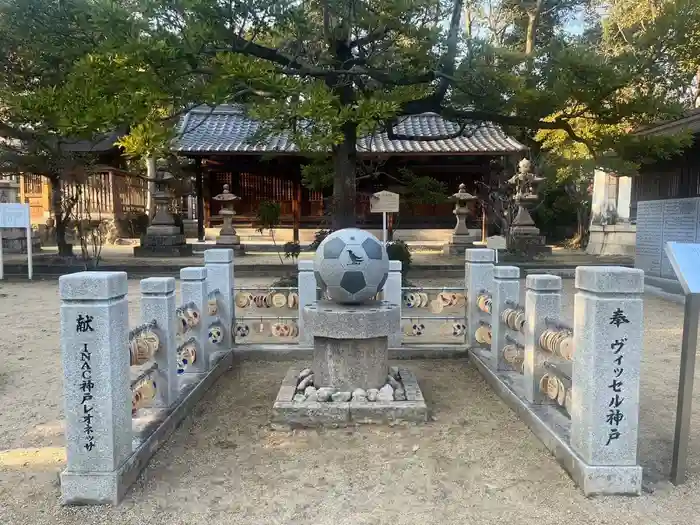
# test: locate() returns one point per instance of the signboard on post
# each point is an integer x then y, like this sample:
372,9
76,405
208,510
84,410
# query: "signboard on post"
16,215
685,261
496,242
384,202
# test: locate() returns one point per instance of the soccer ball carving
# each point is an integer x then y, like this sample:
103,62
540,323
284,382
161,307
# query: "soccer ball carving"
351,265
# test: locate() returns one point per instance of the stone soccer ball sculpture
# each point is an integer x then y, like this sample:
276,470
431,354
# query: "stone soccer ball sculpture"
351,265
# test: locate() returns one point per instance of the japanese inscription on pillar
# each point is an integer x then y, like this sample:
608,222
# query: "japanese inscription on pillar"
83,324
615,413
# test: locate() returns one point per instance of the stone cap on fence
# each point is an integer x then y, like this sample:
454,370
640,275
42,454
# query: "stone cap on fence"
92,286
158,285
218,255
609,279
394,266
506,272
543,282
484,255
306,266
193,273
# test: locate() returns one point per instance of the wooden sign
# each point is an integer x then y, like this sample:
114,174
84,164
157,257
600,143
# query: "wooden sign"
384,202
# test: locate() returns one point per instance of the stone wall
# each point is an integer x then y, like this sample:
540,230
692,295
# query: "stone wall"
661,221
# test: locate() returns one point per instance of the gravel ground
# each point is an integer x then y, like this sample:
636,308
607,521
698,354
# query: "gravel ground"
476,464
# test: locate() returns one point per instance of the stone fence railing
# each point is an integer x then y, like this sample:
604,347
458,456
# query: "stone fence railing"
575,383
125,391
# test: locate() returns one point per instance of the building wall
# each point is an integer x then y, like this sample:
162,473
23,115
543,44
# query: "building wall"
660,221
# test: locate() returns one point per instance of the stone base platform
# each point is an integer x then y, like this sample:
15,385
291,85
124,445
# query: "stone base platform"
552,427
530,245
163,245
294,414
201,247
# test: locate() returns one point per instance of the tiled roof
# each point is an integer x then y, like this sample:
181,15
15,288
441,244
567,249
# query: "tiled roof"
226,129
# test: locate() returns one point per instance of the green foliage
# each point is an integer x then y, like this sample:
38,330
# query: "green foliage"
398,251
268,216
292,250
326,73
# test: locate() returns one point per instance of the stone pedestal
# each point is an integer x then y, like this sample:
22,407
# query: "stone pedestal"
351,343
351,350
525,236
163,237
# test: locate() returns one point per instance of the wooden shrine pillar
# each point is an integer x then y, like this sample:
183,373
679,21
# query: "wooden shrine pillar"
200,199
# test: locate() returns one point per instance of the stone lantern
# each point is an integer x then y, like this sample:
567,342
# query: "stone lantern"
461,238
227,237
163,237
525,236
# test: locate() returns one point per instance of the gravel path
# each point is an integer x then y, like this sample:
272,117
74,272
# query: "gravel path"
476,464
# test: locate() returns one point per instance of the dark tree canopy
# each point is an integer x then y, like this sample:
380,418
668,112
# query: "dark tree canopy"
329,71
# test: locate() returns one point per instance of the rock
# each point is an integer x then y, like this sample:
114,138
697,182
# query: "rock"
372,394
307,381
310,393
324,394
299,398
304,373
393,382
394,371
359,395
399,394
386,393
341,397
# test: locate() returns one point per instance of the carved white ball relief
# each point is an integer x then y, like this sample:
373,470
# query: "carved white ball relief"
351,265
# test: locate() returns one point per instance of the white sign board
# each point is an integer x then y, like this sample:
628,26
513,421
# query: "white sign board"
496,242
685,261
15,215
384,202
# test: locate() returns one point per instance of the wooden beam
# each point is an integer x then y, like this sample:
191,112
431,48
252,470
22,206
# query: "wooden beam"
200,199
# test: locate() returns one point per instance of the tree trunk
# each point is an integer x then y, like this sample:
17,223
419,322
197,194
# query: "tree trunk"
344,190
530,36
533,20
64,248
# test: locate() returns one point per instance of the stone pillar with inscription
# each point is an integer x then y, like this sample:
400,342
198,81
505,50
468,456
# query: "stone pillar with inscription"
608,333
219,265
158,304
542,301
307,296
506,288
478,277
193,290
97,387
392,294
